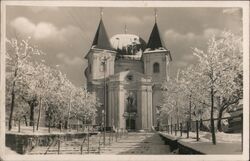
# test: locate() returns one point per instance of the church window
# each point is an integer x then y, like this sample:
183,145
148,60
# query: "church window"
102,66
156,68
130,77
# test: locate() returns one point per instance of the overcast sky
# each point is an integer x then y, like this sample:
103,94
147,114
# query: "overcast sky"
66,33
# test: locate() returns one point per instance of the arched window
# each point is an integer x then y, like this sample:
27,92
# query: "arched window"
156,68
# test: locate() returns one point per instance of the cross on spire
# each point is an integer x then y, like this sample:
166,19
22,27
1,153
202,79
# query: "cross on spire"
101,12
125,29
155,15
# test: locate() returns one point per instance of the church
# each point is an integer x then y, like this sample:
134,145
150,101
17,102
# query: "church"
126,74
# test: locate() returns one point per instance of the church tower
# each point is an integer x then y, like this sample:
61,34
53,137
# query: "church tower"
156,59
101,59
126,74
101,56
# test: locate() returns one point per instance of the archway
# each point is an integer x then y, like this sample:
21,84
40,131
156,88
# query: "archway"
130,124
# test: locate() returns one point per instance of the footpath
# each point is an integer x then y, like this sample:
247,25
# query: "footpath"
138,144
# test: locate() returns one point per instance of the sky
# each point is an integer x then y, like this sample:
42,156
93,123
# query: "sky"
65,34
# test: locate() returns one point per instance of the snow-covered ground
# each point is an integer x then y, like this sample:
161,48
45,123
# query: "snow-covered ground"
8,151
225,143
207,137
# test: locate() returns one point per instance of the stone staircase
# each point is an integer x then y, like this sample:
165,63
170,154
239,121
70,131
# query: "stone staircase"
137,144
132,143
74,146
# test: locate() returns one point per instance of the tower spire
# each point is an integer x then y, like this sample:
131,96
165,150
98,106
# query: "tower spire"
155,41
101,39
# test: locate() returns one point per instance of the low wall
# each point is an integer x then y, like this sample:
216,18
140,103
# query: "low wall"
176,146
23,143
187,150
173,144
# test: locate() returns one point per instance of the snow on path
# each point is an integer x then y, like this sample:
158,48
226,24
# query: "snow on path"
138,144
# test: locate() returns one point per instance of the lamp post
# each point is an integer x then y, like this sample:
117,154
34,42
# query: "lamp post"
147,110
104,62
69,110
103,125
158,113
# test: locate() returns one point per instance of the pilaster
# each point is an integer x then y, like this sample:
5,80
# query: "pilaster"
122,122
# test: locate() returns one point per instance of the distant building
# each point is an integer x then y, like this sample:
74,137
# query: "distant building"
133,71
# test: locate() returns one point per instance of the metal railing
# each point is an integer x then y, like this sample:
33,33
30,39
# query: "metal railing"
54,142
26,126
93,145
81,147
22,125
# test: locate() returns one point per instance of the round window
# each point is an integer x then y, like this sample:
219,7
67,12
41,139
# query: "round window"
130,77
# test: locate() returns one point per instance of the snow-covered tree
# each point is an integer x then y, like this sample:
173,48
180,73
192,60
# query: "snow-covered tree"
174,101
220,68
211,86
84,105
33,86
18,56
191,84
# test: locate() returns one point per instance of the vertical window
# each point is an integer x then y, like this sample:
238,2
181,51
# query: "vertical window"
102,66
156,68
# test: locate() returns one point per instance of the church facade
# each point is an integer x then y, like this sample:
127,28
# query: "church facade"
126,74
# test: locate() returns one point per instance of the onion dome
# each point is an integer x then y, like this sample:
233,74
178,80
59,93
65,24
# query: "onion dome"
128,46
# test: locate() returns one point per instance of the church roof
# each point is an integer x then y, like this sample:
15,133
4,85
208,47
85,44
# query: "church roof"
101,40
128,46
155,41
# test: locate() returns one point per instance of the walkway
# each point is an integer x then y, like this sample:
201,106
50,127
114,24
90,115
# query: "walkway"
137,143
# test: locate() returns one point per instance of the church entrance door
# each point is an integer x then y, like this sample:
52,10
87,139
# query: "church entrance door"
130,124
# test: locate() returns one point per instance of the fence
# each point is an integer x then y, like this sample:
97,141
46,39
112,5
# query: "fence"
98,141
199,125
24,125
104,138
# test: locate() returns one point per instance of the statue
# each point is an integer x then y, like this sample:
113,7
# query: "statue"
131,102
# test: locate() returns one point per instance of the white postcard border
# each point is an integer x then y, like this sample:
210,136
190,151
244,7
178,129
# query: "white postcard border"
242,4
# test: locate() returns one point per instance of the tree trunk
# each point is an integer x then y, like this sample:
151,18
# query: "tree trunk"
190,108
66,124
32,111
219,127
212,116
13,95
25,120
69,112
39,113
12,107
60,124
167,120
